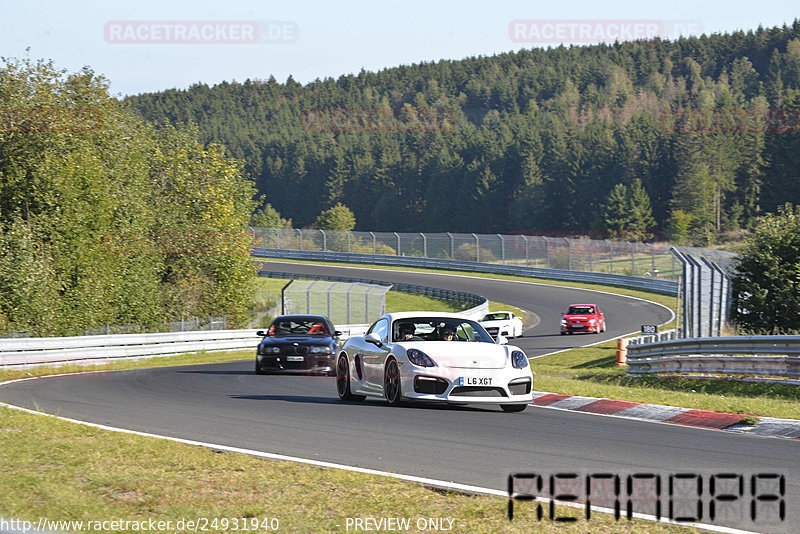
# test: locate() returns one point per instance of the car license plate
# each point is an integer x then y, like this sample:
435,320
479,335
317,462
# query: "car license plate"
294,358
474,381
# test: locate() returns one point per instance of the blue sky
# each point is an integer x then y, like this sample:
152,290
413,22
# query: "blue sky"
320,39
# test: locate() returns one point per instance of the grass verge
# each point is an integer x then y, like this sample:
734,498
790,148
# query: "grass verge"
68,472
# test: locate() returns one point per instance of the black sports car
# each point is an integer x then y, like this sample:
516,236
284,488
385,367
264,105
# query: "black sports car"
298,343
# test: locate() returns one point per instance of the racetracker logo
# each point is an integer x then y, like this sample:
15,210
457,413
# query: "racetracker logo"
598,31
200,32
379,120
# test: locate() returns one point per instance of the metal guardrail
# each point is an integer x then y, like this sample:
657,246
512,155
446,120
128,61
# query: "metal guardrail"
767,356
480,305
24,352
667,287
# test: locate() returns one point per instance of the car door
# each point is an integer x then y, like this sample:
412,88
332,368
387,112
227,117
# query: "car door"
374,357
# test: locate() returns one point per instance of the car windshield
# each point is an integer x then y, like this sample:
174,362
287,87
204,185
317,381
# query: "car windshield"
495,317
438,329
298,326
580,310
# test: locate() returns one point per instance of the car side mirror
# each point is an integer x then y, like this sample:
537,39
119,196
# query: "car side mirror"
374,339
337,333
502,340
261,333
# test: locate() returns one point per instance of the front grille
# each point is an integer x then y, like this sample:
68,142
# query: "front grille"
280,364
291,350
477,391
429,385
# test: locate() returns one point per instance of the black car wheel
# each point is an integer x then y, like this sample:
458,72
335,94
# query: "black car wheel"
343,381
513,408
391,384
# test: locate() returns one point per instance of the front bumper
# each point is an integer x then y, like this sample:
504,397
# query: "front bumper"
310,364
467,386
580,327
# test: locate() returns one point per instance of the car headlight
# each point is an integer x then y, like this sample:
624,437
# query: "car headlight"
270,350
417,357
320,350
519,360
592,321
563,321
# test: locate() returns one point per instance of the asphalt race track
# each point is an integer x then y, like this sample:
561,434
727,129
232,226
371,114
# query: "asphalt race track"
228,404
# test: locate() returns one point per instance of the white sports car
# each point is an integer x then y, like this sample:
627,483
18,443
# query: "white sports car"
433,356
503,323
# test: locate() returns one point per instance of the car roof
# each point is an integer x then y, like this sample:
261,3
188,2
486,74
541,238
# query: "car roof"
411,314
595,305
304,316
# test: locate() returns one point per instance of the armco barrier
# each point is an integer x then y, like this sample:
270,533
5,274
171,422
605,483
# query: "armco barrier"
634,282
23,352
766,356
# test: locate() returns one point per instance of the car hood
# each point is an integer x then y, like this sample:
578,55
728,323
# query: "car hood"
303,340
496,322
465,355
579,317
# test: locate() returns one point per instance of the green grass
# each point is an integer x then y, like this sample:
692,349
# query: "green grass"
65,471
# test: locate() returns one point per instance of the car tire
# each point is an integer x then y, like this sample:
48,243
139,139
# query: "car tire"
513,408
343,381
391,384
563,333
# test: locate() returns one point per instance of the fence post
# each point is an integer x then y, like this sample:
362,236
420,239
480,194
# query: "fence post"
569,252
653,256
610,255
477,248
424,245
527,262
397,236
633,259
452,246
546,251
348,243
277,238
502,249
324,241
374,243
299,231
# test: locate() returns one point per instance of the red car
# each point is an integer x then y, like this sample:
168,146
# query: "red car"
583,318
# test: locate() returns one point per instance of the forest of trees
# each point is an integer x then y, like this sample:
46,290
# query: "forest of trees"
567,140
